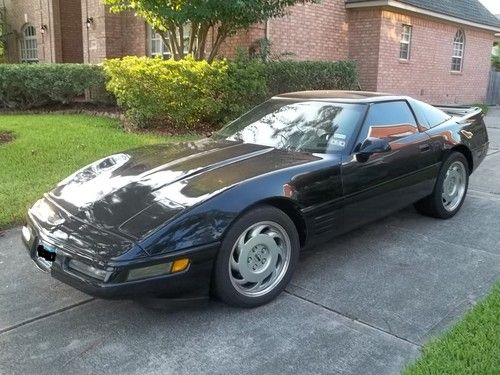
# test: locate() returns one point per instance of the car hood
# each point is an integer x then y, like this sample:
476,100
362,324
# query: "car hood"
133,192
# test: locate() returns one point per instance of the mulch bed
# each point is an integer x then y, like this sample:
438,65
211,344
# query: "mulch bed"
70,108
6,137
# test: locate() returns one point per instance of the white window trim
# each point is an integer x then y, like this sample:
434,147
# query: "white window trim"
406,42
165,51
153,36
458,46
28,45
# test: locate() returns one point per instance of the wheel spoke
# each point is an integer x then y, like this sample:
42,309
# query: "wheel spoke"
240,281
274,235
256,286
234,264
257,230
241,243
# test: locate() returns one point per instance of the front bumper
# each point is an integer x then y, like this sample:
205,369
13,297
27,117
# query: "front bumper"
193,282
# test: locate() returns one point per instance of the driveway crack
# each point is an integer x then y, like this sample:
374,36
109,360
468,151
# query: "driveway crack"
43,316
353,319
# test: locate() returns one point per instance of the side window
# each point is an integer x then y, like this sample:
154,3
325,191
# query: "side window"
390,121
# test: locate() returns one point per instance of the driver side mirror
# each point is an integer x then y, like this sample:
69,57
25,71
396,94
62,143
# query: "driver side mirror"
371,146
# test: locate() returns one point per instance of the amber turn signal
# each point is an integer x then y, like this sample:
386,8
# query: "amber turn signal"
180,265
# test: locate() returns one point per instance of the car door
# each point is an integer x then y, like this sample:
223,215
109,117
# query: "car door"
384,182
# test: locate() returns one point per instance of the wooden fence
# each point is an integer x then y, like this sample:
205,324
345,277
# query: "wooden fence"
493,95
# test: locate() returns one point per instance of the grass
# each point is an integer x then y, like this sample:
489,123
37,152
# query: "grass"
470,347
47,148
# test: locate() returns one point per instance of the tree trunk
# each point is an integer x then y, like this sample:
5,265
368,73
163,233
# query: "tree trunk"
193,47
221,36
180,27
174,43
202,40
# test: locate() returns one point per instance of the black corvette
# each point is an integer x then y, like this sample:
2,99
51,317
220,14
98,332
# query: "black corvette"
229,214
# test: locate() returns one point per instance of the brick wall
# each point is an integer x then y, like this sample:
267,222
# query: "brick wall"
21,12
111,35
94,36
125,35
71,31
427,75
364,35
309,32
62,40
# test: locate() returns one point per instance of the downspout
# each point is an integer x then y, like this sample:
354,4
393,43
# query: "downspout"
43,35
51,30
266,36
87,29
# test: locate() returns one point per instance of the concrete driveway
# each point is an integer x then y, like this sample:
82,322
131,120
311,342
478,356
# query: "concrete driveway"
362,304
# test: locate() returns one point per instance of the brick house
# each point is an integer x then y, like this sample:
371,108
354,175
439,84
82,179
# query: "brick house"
437,51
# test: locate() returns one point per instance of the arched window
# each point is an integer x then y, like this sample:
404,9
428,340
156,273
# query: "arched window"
29,45
457,59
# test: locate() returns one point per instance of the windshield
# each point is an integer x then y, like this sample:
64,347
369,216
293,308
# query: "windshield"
309,126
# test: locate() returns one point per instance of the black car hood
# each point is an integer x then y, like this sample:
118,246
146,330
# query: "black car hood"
133,192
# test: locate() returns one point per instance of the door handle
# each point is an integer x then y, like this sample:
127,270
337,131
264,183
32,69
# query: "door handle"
424,148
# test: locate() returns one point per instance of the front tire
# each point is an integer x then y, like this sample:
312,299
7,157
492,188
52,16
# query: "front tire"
257,258
450,190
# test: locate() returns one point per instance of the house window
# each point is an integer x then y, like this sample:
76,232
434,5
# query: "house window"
29,45
457,60
157,46
405,42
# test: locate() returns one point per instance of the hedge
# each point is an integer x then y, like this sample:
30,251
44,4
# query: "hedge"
24,86
289,76
183,95
191,93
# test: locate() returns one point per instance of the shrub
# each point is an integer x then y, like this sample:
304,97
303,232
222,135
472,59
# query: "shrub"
31,85
288,76
184,94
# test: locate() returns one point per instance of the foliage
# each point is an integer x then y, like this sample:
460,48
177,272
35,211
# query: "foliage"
47,148
185,94
170,18
32,85
495,56
495,62
288,76
471,347
484,107
3,32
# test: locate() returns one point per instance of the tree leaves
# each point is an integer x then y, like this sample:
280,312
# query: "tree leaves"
225,17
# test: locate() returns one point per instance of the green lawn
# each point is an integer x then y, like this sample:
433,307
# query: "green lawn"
471,347
48,148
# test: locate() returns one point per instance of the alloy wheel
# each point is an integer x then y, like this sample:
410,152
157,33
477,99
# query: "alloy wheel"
259,259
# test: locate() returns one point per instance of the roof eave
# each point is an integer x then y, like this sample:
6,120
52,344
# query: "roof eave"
411,8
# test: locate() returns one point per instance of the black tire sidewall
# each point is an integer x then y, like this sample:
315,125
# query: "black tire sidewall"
222,285
438,191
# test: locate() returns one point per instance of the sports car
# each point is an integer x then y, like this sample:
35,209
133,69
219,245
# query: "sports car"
228,215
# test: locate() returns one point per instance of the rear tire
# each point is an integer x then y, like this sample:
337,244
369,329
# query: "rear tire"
450,190
257,258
